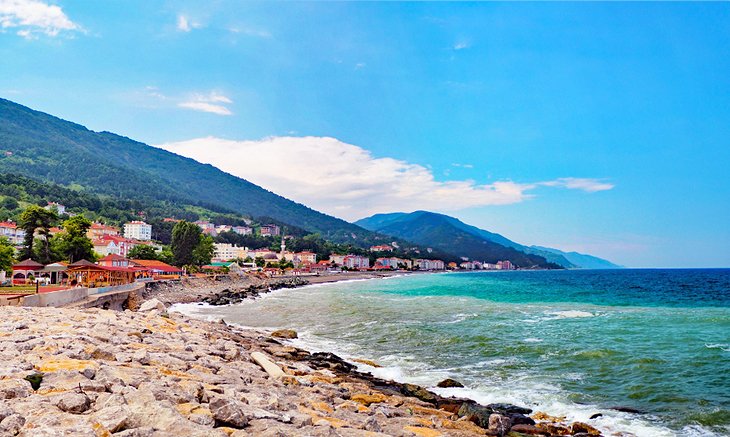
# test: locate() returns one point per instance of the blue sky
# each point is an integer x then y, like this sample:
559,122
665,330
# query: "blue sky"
598,127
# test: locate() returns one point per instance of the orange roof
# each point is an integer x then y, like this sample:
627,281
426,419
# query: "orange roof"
8,225
156,265
112,257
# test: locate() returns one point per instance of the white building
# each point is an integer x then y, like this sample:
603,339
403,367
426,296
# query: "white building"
59,208
242,230
138,230
12,232
226,251
429,264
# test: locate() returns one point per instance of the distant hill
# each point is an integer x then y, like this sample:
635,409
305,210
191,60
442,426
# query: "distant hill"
452,235
579,259
46,148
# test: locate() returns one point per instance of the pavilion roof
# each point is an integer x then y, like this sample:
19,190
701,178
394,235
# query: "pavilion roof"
27,264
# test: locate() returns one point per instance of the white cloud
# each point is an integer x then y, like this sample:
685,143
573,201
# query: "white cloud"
34,16
250,31
346,180
461,45
212,102
584,184
185,25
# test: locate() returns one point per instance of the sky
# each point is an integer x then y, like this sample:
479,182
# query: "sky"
602,128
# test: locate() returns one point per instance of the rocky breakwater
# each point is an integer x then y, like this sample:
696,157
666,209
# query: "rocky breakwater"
232,295
94,372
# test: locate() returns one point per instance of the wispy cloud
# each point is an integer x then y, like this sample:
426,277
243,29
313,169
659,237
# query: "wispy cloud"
250,31
212,102
583,184
348,181
456,164
184,24
33,17
461,45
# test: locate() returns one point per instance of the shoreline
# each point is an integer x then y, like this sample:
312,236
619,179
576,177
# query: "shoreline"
154,373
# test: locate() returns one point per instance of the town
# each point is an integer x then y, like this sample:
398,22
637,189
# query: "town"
119,255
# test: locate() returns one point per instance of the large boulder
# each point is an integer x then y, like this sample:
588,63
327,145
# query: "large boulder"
150,305
285,333
230,412
449,383
75,403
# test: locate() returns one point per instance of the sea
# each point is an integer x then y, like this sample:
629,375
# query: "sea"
569,343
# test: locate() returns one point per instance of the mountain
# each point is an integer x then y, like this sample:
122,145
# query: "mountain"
49,149
453,236
582,260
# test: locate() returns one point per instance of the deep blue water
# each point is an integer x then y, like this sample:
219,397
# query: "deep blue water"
565,342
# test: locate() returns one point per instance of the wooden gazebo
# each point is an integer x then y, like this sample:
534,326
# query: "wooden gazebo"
88,274
23,270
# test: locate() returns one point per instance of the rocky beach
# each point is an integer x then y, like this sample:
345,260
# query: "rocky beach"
150,372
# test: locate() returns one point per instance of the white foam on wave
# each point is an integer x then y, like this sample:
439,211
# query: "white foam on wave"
533,340
721,346
571,314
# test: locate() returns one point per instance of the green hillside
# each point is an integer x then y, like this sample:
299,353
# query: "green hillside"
450,235
46,148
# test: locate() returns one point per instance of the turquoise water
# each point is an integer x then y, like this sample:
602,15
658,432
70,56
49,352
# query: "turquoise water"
571,343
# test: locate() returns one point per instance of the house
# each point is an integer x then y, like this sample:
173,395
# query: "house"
381,248
12,232
356,262
223,228
203,224
138,230
113,260
60,209
98,230
242,230
467,265
489,266
115,244
269,230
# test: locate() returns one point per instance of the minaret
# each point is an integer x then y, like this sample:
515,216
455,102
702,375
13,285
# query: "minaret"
283,244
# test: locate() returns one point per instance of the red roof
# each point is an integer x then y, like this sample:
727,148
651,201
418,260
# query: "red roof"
27,264
112,257
153,264
8,225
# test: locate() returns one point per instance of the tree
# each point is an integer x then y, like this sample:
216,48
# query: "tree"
72,244
9,203
6,255
185,238
142,251
36,218
203,252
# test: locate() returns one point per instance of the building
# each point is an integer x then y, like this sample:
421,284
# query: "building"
306,257
505,265
356,262
98,230
138,230
489,266
226,251
269,230
113,260
205,224
12,232
337,259
242,230
381,248
58,207
115,245
467,265
395,263
429,264
223,228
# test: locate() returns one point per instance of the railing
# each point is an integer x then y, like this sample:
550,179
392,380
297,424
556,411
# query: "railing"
125,287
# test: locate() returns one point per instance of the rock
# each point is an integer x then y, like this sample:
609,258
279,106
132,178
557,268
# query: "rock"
520,419
499,424
596,416
584,428
112,418
12,424
14,389
449,383
475,413
508,409
627,410
152,304
554,428
229,412
372,425
285,333
366,399
326,360
539,415
74,403
272,369
419,392
370,363
5,411
529,430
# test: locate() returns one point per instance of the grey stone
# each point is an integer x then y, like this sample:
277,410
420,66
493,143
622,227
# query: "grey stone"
75,403
229,411
12,424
